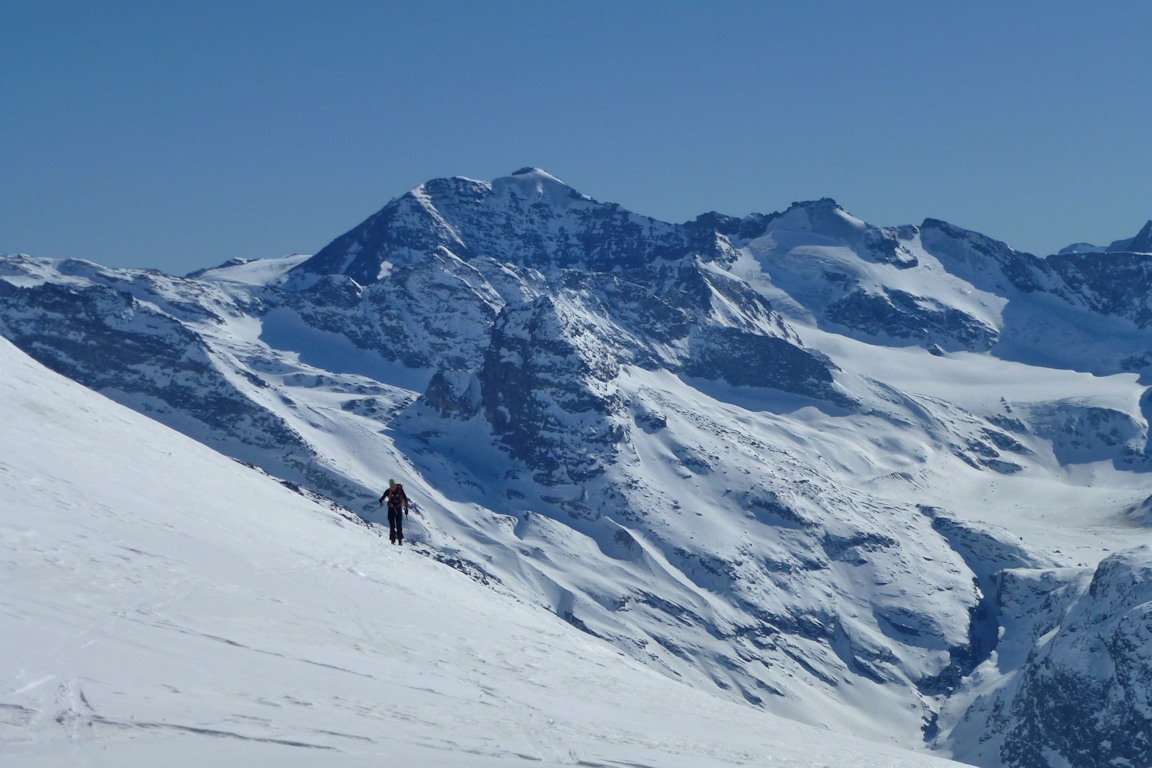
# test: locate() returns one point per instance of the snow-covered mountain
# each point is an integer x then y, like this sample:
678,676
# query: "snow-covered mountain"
866,478
1141,243
164,605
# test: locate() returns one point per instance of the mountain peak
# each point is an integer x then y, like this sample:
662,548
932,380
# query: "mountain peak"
531,170
824,216
823,204
532,182
1142,243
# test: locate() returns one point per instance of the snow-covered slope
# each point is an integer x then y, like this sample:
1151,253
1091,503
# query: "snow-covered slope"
790,459
163,604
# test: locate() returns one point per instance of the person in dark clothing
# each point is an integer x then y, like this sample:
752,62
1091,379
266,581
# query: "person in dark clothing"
397,509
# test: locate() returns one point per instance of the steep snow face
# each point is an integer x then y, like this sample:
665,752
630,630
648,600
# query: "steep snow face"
1057,308
251,271
876,284
536,184
823,222
786,458
979,260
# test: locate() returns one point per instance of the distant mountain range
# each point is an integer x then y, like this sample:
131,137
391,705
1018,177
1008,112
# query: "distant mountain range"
1142,243
893,481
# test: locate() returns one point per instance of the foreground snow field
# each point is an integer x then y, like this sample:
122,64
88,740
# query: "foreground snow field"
163,604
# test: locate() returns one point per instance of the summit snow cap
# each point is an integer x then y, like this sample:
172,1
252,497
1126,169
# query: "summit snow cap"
531,182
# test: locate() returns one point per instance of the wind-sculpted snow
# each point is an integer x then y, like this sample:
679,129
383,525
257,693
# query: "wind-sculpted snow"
814,466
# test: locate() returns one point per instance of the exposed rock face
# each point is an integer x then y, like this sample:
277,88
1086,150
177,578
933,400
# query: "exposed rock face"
1114,285
579,289
900,315
1081,697
132,351
1141,243
1081,434
752,360
530,219
547,391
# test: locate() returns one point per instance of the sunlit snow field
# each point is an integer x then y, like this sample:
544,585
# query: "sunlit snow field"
164,605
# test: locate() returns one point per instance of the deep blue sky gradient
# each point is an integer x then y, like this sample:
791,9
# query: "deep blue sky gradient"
177,135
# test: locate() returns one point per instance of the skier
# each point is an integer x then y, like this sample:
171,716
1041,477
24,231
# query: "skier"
397,509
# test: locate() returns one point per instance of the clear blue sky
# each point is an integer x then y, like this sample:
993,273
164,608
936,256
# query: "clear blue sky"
177,135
